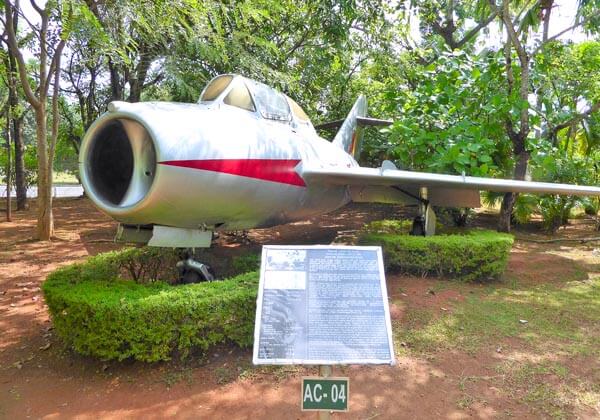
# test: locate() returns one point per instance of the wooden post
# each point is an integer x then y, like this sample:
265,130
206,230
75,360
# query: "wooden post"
325,372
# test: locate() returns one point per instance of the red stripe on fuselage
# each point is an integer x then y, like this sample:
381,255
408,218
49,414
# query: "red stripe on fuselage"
274,170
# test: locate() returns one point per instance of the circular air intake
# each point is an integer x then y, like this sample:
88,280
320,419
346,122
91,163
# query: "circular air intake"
119,163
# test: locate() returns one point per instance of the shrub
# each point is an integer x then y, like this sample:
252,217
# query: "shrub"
555,210
246,263
454,216
146,264
467,255
591,206
394,227
97,313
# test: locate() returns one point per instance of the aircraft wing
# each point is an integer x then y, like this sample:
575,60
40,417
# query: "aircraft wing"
388,176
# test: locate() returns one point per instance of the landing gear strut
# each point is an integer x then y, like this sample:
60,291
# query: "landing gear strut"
192,271
424,223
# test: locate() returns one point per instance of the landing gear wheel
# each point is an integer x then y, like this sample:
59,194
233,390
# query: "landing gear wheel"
418,227
189,277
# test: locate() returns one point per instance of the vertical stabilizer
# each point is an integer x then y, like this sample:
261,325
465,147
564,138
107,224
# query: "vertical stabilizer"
350,134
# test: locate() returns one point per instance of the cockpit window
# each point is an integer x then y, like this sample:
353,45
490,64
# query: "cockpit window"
270,103
240,96
215,88
297,110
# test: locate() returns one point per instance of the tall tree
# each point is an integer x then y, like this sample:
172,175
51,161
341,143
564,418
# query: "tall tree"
518,27
139,33
17,114
457,23
301,47
50,43
8,164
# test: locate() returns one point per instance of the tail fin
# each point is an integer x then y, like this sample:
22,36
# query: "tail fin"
349,135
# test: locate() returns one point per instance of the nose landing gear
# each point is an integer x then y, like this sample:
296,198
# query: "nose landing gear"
193,271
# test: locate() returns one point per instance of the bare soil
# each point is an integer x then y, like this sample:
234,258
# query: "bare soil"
39,378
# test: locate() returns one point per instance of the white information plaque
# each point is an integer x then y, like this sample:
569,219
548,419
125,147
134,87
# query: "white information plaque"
322,305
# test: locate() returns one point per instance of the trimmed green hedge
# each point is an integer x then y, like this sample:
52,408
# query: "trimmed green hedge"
99,314
467,255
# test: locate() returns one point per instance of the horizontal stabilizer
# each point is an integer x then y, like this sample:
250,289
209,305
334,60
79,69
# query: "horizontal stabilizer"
360,121
372,122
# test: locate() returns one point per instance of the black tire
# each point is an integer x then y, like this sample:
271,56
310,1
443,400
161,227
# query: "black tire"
190,277
418,227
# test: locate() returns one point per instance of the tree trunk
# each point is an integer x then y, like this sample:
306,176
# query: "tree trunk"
8,168
20,179
135,92
17,131
116,91
49,68
506,212
509,199
45,226
138,77
547,7
519,138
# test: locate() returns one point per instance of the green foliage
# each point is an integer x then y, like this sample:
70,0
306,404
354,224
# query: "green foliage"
553,164
391,227
29,158
591,206
452,121
454,216
467,255
150,264
561,167
146,264
246,263
525,205
301,48
99,314
448,87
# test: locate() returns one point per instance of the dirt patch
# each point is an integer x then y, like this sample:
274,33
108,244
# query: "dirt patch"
38,378
424,292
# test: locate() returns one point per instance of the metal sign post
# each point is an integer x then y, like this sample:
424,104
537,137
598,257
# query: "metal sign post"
325,372
322,305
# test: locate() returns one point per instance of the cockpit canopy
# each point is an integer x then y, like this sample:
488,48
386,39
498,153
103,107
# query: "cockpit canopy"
253,96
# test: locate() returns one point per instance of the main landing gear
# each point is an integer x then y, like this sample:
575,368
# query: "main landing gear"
424,223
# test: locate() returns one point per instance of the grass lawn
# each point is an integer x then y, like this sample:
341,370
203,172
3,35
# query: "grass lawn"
549,336
64,178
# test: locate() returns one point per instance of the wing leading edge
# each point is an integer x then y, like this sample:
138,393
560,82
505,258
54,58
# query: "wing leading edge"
360,176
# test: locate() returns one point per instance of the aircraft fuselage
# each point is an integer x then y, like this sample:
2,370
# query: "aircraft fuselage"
206,166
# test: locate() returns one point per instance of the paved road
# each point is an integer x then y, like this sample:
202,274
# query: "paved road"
62,190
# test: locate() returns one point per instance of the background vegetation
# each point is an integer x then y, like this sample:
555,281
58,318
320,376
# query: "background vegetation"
485,87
